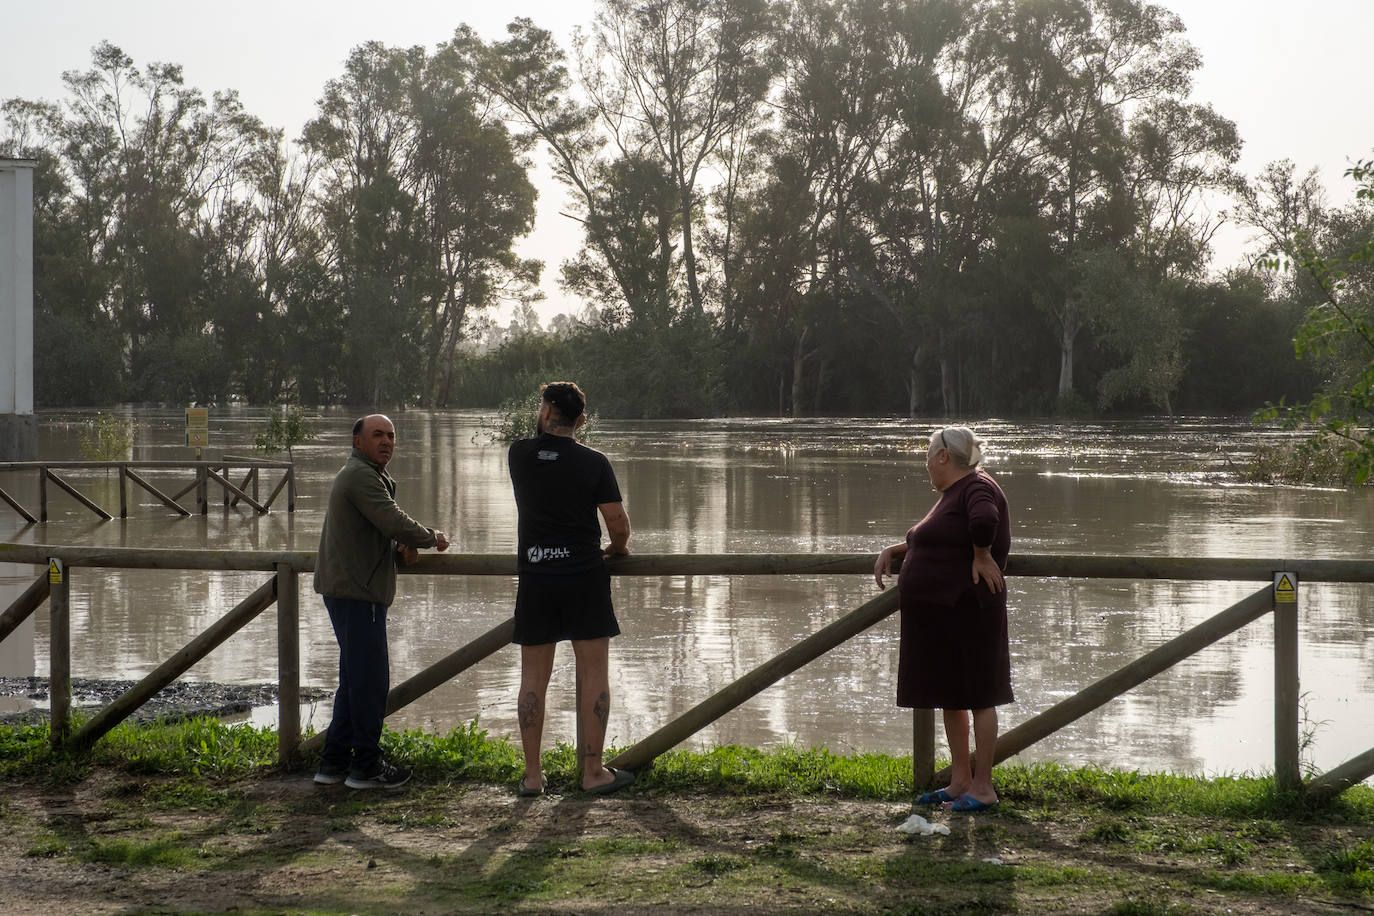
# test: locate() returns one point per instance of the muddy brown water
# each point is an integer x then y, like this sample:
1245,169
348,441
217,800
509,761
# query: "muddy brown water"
1150,487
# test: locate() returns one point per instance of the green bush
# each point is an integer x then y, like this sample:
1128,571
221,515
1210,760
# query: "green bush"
1318,461
286,427
518,418
106,438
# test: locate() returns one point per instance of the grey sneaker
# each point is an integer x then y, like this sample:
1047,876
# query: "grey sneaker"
328,777
386,777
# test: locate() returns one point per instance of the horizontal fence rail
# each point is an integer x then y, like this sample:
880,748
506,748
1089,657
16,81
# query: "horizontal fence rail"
204,473
286,566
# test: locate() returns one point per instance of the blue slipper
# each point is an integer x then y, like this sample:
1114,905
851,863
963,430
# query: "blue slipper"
938,797
967,804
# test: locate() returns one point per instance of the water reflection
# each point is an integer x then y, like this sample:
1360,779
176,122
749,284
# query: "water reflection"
770,486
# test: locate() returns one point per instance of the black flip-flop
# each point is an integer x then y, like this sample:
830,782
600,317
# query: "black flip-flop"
525,791
622,779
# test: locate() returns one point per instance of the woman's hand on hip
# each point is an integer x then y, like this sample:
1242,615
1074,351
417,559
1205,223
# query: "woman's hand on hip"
985,569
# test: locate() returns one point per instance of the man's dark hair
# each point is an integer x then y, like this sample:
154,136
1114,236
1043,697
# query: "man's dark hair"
567,400
358,426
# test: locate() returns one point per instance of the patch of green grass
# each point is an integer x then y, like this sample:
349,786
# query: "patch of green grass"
1348,861
1351,870
1107,832
1270,884
1231,850
718,864
194,747
189,796
1137,907
45,847
790,770
162,853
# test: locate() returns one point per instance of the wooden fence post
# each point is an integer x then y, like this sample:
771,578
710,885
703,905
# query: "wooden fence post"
60,651
42,493
1287,766
288,664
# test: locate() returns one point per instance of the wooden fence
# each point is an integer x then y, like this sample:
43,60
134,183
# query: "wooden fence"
205,473
54,586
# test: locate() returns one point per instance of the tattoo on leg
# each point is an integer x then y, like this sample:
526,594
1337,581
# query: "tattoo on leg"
529,711
602,709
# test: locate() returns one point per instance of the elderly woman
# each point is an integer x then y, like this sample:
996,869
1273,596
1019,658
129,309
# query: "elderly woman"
954,654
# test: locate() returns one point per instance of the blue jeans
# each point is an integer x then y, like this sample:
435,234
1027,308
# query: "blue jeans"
355,731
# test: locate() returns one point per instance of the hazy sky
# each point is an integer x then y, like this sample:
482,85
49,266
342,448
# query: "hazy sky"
1290,74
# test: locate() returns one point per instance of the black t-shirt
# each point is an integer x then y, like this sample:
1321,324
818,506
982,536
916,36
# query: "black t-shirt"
558,484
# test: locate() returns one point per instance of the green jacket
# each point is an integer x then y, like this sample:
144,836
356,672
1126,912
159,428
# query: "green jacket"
362,528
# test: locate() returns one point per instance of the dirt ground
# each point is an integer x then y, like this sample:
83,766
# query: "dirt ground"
284,845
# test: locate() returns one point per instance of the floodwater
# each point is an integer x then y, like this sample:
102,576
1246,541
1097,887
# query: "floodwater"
1153,488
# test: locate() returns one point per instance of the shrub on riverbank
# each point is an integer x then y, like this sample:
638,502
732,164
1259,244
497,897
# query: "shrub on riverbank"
1319,462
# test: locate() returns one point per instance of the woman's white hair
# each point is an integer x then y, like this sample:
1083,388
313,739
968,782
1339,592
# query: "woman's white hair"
963,446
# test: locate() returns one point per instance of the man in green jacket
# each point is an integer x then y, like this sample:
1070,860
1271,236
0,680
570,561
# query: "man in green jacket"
365,537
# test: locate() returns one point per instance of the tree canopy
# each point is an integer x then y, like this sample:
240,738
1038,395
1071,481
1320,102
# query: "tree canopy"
787,207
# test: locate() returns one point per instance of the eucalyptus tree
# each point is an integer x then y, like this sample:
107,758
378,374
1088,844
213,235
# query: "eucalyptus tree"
365,138
78,350
1118,65
672,80
957,173
810,244
528,73
149,170
422,194
476,199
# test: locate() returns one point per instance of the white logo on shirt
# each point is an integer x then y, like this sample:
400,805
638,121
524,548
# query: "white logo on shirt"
537,554
545,454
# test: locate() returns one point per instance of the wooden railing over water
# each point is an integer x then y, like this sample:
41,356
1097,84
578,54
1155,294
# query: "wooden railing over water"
204,473
54,586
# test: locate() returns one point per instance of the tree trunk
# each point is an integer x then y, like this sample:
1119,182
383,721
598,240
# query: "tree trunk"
1068,330
949,397
689,257
798,372
913,385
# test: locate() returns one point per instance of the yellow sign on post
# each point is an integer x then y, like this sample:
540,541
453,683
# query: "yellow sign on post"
54,571
197,427
1285,588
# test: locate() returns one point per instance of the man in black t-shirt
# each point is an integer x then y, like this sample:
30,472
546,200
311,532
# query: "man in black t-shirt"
565,587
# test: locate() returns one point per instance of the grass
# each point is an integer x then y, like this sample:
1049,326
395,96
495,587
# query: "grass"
731,828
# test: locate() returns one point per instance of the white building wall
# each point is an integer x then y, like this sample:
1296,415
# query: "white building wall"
18,430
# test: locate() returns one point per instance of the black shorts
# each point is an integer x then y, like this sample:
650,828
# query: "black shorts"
553,608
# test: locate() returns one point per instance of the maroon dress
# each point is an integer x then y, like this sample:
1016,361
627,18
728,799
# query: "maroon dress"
954,649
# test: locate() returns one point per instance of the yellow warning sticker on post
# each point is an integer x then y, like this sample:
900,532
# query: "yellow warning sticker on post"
1285,588
197,438
54,571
